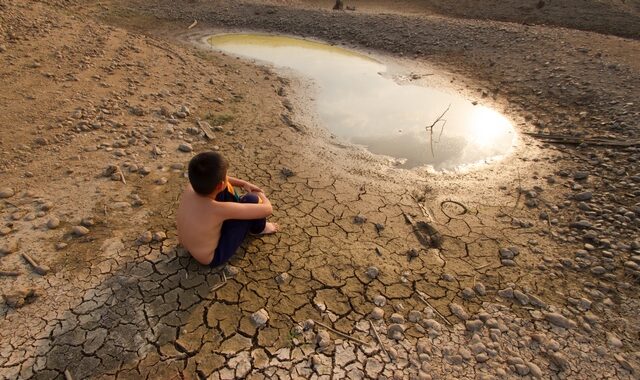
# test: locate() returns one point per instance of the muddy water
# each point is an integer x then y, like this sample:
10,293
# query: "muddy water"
359,102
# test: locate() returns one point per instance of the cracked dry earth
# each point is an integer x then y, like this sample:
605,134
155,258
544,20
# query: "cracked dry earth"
526,268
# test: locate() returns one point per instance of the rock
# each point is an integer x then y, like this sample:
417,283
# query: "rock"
534,370
506,253
468,293
308,324
379,300
560,360
415,316
480,289
159,236
87,222
580,175
7,247
458,311
396,318
6,192
359,219
259,318
61,245
613,340
19,297
522,369
559,320
377,313
395,331
474,325
506,293
79,230
231,271
482,357
283,278
521,297
161,181
584,196
372,272
145,238
185,147
286,172
323,339
53,223
373,368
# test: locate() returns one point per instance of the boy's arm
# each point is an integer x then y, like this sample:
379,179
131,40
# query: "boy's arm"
246,211
249,187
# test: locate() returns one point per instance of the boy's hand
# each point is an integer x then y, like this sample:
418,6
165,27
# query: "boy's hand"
251,188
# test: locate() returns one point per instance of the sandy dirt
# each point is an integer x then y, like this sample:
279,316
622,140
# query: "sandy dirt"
527,267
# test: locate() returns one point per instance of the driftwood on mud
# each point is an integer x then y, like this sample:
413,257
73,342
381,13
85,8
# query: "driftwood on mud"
346,336
375,333
573,140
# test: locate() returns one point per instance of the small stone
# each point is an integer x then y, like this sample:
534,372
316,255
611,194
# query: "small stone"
506,293
309,324
522,369
506,253
613,340
159,236
79,230
580,175
560,320
161,181
6,192
8,247
19,297
185,147
286,172
521,297
395,331
534,370
474,325
231,271
53,223
458,311
259,318
359,219
560,360
61,245
323,339
145,238
283,278
396,318
87,222
377,313
379,300
482,357
468,293
372,272
480,289
584,196
415,316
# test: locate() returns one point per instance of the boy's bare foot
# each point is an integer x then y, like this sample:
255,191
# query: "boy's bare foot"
270,228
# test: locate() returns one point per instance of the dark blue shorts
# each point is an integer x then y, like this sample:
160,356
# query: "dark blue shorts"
234,231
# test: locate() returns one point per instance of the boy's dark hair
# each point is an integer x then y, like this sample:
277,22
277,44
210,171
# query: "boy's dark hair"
206,171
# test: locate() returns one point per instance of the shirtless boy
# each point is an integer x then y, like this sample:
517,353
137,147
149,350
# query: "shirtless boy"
212,220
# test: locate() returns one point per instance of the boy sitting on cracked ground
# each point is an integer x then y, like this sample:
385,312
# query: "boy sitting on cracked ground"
212,220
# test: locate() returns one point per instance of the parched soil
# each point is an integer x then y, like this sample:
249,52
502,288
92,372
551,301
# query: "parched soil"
527,267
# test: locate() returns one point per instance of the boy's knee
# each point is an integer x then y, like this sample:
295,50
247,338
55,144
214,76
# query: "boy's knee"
249,198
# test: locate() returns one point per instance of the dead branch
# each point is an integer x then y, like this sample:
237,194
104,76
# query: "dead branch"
434,309
39,269
341,333
195,22
153,43
9,273
573,140
375,333
430,128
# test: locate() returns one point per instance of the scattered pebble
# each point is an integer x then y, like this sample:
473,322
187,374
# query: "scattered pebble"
372,272
260,318
6,192
145,238
185,147
53,223
79,230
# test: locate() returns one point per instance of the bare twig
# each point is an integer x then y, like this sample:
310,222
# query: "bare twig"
122,176
195,22
434,309
341,333
39,269
375,333
519,189
153,43
9,273
67,375
430,128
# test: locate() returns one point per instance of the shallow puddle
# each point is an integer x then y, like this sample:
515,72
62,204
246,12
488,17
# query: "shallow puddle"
358,103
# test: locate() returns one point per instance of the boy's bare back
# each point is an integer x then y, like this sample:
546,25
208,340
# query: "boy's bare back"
199,225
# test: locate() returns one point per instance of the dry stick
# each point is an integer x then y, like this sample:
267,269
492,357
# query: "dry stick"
519,189
434,309
39,269
195,22
67,375
9,273
153,43
375,332
430,128
122,176
341,333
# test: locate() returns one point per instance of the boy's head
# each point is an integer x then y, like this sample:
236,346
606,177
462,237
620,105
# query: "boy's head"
207,170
